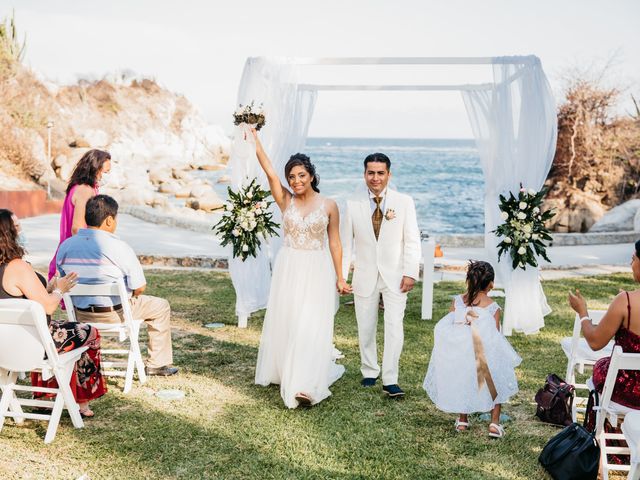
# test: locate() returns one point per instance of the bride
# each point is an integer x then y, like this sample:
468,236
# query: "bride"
296,348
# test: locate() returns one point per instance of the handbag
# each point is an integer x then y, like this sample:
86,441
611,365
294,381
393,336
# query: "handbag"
572,454
554,401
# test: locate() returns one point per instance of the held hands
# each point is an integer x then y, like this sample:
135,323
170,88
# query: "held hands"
578,303
343,287
406,285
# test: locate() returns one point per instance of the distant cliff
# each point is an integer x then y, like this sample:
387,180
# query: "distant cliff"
144,126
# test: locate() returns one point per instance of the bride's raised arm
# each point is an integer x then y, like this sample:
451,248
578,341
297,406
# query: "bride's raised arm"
279,193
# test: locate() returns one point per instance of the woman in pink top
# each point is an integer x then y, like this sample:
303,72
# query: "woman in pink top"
82,186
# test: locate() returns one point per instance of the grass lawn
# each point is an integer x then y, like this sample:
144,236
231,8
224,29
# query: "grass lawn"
228,428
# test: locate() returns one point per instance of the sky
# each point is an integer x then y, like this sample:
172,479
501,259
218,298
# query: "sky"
198,48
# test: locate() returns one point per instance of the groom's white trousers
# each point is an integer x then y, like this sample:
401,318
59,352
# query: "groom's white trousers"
367,318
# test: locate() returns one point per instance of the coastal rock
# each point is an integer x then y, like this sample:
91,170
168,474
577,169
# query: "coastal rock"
636,222
183,192
210,202
59,161
620,218
224,179
96,138
200,190
159,175
168,188
575,212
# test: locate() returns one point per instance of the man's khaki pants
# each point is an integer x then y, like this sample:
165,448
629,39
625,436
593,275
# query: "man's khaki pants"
156,313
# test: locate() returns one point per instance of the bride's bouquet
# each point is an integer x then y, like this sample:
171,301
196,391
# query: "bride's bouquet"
249,114
523,229
247,220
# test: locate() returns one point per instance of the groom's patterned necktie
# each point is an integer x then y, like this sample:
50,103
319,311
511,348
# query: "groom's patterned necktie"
376,218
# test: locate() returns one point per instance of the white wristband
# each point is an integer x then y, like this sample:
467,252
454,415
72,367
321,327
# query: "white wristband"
586,317
57,292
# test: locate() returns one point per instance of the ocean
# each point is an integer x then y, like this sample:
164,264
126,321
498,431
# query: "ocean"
444,177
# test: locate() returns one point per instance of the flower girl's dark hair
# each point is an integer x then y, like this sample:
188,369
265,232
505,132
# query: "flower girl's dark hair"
300,159
479,275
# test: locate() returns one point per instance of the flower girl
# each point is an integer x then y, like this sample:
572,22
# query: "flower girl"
472,363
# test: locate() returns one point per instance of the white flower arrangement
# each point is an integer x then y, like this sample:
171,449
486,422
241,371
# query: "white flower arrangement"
247,220
524,228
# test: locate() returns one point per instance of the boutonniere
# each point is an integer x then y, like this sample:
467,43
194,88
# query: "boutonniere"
390,214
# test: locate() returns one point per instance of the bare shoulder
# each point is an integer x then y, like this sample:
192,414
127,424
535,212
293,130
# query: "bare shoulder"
330,204
83,192
18,266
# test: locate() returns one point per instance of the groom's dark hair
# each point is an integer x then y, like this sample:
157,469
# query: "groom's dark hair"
378,157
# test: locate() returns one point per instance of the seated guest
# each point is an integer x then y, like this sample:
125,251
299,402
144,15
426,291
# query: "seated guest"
622,322
97,255
19,280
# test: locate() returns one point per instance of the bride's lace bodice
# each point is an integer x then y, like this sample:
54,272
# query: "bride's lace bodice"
308,232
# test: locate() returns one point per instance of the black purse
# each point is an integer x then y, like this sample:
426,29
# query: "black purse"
573,454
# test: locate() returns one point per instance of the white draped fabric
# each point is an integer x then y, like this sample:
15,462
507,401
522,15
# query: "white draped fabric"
514,123
288,110
515,127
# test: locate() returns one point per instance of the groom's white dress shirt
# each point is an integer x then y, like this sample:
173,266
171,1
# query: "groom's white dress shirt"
379,266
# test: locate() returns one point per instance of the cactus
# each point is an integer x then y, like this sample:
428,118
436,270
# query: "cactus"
10,46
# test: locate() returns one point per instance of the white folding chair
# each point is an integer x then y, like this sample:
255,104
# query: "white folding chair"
24,340
613,411
580,355
128,329
631,431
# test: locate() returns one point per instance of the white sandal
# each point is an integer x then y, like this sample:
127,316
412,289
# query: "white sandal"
500,430
460,423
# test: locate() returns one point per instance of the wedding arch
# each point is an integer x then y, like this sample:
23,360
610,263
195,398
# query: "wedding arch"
513,119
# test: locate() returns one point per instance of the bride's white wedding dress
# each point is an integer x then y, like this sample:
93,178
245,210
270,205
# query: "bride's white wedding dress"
296,348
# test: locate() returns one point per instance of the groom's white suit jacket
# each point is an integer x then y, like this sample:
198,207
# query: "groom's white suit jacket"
395,254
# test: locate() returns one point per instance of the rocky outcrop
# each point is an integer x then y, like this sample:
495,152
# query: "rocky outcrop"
624,217
155,137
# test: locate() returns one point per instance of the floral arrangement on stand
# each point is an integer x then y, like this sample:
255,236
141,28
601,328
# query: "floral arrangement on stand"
523,231
247,220
250,115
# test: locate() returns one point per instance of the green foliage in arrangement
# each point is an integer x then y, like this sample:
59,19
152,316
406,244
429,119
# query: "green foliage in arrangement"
524,228
247,220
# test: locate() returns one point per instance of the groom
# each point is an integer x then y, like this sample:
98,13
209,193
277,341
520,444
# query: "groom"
383,227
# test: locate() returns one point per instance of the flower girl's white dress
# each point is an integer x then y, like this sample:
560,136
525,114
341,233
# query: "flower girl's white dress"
452,377
296,347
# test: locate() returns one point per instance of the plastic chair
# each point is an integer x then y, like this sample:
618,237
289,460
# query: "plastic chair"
580,355
128,329
613,411
24,341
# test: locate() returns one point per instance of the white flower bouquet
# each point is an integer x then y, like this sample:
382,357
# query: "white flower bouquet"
247,220
523,231
249,114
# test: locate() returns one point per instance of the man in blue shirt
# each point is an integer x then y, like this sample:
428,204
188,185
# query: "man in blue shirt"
98,256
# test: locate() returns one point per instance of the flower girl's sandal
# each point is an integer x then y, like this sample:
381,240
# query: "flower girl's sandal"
461,426
496,430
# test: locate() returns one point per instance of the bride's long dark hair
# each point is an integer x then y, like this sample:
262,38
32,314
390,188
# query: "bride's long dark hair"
301,160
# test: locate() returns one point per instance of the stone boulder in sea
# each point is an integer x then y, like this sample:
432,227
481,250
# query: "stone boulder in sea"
619,219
